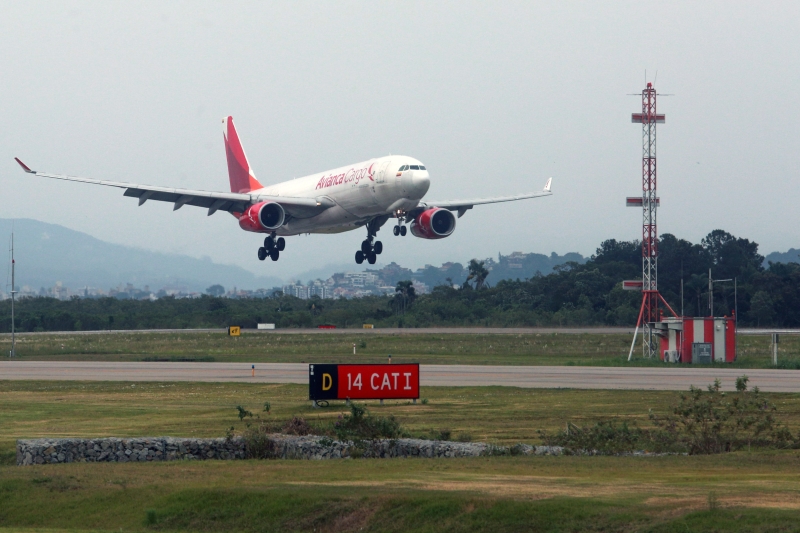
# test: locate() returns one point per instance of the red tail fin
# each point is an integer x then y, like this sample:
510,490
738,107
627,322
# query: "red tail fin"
239,171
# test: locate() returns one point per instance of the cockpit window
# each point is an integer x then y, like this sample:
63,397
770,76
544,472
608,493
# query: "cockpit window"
422,167
403,168
414,167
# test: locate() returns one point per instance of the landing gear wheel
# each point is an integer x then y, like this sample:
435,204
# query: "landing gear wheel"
371,258
366,247
378,248
274,254
403,231
359,257
396,231
262,253
281,244
269,243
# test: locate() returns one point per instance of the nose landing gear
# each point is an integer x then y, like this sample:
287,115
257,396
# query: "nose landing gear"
272,248
399,228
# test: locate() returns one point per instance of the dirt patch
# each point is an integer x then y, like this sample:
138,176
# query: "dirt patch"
507,486
355,520
698,501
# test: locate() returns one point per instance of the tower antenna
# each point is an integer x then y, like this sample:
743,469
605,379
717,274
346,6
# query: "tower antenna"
649,313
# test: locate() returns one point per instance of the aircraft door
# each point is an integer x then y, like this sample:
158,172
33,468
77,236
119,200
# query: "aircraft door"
381,175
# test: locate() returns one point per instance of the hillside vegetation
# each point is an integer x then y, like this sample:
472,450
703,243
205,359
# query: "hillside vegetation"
574,294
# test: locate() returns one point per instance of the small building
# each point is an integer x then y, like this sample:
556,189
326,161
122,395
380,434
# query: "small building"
697,340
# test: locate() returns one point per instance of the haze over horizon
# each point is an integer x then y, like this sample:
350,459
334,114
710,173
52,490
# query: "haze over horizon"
494,99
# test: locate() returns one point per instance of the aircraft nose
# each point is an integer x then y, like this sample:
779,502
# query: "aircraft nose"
420,182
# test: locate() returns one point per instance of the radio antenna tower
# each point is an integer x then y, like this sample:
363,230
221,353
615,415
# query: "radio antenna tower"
13,352
649,201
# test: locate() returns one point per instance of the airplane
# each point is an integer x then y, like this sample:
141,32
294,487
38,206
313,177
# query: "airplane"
365,194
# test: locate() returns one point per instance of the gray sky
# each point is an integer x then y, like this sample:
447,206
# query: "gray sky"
492,97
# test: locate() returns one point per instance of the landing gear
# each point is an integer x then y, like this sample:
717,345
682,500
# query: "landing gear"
370,250
272,248
399,228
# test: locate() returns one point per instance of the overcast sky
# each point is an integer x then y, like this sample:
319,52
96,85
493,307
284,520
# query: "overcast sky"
494,97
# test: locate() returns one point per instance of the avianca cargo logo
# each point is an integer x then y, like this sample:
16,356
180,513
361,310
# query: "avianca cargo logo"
351,176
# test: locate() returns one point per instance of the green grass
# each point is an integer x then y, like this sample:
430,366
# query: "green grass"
503,415
479,349
753,491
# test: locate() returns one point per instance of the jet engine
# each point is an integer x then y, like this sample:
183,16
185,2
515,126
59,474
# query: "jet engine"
434,223
264,216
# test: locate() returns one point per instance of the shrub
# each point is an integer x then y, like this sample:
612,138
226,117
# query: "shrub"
297,426
701,422
715,422
360,425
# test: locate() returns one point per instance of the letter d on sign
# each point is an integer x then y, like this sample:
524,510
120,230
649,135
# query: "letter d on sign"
327,382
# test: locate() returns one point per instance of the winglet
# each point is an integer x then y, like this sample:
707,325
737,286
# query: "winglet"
24,166
547,185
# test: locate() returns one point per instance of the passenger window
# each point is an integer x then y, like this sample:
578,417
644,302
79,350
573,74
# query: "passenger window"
414,167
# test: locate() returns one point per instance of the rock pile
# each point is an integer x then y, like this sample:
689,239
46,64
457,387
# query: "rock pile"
113,450
50,451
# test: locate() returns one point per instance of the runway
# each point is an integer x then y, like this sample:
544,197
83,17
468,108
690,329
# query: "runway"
576,377
394,331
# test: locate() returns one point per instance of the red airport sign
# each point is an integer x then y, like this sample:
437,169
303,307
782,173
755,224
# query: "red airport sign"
363,382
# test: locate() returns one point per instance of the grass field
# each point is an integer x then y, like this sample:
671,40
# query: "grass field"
479,349
734,492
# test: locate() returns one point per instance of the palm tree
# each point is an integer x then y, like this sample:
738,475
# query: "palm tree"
405,293
477,273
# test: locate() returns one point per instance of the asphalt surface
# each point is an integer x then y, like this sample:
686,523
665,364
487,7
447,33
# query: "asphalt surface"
395,331
354,331
577,377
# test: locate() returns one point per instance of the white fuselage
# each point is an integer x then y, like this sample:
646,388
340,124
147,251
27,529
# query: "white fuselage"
360,192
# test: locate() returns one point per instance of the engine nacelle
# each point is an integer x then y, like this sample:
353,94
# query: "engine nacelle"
434,223
264,216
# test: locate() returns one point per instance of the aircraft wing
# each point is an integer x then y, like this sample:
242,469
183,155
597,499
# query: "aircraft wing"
463,205
213,201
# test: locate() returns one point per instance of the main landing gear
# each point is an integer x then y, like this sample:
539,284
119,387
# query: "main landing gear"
272,248
369,250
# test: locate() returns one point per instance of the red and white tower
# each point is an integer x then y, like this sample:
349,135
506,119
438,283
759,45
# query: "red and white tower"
649,201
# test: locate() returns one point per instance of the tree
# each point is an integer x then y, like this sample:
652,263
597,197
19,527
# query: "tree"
215,290
405,294
731,256
613,251
477,273
761,308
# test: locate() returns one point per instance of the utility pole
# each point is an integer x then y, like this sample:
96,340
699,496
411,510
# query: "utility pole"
710,295
13,293
711,283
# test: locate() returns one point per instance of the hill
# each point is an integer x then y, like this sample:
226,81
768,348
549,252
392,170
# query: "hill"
48,253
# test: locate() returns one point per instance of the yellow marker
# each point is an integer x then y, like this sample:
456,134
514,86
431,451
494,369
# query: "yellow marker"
234,331
327,382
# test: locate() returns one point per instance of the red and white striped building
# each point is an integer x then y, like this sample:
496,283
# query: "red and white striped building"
698,339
